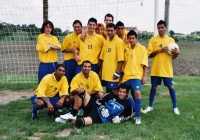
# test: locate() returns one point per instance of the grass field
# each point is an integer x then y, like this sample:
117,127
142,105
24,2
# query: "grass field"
160,124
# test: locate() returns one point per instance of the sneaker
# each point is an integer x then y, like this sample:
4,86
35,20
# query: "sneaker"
60,120
137,120
38,111
34,116
80,112
68,116
53,115
176,111
142,111
148,109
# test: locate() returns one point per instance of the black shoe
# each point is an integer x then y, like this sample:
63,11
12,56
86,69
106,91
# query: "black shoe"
53,115
34,116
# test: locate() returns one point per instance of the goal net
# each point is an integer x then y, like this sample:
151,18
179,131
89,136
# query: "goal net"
20,23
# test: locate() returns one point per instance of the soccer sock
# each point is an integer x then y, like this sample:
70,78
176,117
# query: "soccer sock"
152,95
130,100
173,97
138,105
74,112
34,111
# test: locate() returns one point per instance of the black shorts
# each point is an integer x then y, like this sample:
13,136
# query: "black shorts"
90,110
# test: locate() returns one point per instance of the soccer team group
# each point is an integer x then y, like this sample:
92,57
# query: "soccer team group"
107,56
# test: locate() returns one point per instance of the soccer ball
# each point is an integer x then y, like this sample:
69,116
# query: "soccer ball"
170,47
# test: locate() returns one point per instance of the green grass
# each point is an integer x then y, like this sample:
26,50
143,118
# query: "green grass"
160,124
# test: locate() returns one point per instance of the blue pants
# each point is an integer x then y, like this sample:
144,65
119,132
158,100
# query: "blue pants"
70,69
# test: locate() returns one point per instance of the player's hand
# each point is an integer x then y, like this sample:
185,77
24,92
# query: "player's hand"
144,80
77,58
104,111
60,103
116,75
50,107
162,50
80,90
116,119
74,49
175,51
83,35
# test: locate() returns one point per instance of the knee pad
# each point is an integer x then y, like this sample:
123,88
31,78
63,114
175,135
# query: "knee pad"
81,95
80,122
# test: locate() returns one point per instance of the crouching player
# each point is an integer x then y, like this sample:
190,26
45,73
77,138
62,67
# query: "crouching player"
51,92
110,108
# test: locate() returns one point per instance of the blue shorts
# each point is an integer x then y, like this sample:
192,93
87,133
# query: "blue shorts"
46,68
109,85
135,84
70,69
52,100
79,68
155,81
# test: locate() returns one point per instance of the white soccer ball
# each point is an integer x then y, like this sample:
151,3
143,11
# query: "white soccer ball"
170,47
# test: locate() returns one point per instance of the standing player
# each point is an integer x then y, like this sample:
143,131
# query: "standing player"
46,47
121,31
161,68
100,30
111,108
112,57
69,46
90,48
135,70
51,92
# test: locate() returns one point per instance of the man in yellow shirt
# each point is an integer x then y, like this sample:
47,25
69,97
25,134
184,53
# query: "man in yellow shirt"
51,92
161,67
121,32
69,46
135,70
112,57
46,47
90,48
86,81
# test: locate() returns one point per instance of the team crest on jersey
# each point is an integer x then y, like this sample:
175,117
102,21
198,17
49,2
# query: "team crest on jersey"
89,46
160,45
81,83
74,41
55,89
87,86
109,49
131,55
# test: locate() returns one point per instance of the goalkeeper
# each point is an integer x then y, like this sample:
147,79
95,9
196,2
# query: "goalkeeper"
111,108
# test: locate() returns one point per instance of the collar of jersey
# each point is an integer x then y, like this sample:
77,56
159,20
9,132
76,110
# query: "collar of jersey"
92,35
84,76
46,36
163,37
53,76
129,46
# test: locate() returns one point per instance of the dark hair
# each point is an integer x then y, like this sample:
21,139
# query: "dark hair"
131,32
86,61
92,20
77,21
111,25
109,15
119,23
60,65
45,24
161,22
124,86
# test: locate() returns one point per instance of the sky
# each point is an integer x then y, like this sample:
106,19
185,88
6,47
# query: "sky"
184,16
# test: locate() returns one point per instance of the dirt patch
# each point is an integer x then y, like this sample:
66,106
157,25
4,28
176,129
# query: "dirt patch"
7,96
64,133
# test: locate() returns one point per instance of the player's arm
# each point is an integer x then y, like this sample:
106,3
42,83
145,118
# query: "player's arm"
144,76
160,50
42,46
118,71
56,44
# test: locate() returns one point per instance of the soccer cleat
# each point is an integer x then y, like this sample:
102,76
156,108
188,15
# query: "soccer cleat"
80,112
68,116
176,111
34,116
60,120
148,109
142,111
137,120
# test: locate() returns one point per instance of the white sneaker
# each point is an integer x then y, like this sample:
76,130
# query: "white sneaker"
68,116
137,120
80,112
148,109
176,111
60,120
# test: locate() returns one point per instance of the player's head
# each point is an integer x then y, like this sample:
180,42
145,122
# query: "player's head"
120,28
99,29
77,25
47,27
132,37
60,70
86,67
111,29
122,91
108,19
92,24
161,26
